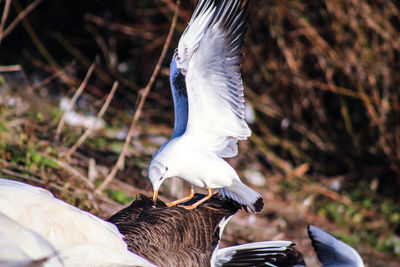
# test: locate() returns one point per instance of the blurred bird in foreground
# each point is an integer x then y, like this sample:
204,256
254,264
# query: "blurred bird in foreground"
37,229
50,232
209,106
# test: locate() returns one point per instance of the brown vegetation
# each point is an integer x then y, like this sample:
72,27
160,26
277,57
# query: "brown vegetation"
322,78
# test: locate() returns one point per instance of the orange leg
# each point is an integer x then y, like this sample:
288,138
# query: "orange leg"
176,202
193,206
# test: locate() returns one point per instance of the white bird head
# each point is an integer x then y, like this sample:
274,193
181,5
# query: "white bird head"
160,168
158,172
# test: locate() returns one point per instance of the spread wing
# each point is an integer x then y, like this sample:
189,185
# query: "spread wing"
214,83
190,39
201,19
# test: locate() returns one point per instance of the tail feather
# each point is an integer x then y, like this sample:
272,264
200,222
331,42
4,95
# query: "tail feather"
244,195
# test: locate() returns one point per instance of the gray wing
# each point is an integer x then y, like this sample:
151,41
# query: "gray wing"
179,94
214,83
331,251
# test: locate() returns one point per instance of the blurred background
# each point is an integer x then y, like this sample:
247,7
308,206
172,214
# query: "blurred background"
323,101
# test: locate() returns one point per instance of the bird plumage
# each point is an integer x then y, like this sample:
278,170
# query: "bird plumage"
209,105
173,236
138,235
331,251
20,246
196,235
78,236
264,253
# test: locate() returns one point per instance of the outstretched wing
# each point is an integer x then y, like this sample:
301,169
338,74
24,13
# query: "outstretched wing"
214,83
201,19
190,39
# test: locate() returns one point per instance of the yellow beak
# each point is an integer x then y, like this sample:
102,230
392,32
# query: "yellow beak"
155,195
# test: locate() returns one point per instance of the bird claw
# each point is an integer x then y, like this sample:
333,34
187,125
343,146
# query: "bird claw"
191,207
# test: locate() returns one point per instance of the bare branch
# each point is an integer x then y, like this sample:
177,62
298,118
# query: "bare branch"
146,91
74,98
4,17
18,19
99,116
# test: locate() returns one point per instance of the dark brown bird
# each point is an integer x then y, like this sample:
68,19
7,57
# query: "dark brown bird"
174,236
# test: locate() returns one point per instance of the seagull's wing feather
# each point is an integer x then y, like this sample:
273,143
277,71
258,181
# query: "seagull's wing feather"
198,24
179,94
214,84
188,43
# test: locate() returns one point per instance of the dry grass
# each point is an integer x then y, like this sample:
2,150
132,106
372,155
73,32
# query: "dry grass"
322,78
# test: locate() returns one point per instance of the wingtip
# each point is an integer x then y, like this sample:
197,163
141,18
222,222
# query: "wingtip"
259,204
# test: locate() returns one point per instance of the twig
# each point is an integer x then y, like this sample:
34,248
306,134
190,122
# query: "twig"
70,169
73,100
22,176
128,30
99,116
18,19
146,91
10,68
4,17
52,77
172,6
38,43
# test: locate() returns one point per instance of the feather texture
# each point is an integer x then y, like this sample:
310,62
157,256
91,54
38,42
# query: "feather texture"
79,237
331,251
209,103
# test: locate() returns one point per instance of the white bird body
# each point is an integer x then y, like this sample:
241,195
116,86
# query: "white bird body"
209,104
19,246
218,173
80,238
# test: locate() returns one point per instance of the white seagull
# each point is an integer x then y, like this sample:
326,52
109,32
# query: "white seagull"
209,105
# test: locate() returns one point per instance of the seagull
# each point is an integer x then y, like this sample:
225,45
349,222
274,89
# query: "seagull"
36,228
209,106
331,251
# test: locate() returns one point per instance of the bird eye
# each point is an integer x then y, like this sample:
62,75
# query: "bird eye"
166,168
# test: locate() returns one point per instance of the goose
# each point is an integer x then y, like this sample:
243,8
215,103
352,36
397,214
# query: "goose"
139,235
195,235
207,91
331,251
